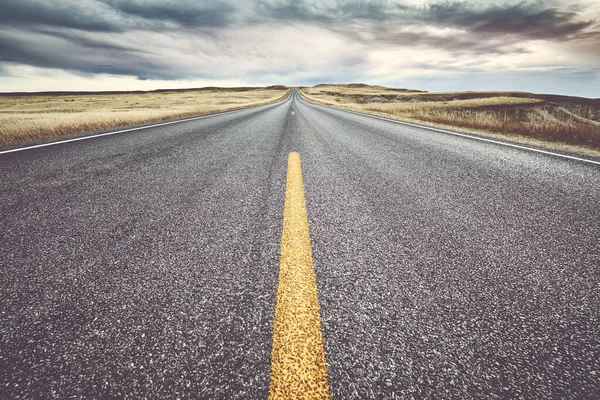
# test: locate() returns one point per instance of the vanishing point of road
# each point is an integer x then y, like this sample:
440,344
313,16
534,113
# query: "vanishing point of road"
160,263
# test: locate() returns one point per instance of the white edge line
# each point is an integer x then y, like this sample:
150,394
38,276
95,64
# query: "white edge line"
137,128
454,133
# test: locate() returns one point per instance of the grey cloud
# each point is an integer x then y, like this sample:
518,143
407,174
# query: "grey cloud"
374,10
91,36
457,44
341,11
485,29
33,50
292,11
534,20
86,15
528,20
88,41
202,13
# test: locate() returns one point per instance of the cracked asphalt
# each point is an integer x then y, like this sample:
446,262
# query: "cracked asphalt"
145,264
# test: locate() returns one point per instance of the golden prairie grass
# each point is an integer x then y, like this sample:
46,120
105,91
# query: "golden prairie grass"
33,117
562,119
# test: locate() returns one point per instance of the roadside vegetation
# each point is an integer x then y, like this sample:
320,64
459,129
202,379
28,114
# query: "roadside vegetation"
549,118
27,117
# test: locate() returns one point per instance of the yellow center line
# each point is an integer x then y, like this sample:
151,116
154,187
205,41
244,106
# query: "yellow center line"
298,366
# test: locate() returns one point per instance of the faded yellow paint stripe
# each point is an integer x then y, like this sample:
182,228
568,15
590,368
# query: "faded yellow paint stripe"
298,367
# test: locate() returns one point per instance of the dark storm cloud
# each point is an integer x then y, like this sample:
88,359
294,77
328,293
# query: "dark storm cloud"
532,20
85,15
186,13
485,29
535,20
456,44
292,11
84,40
31,49
96,36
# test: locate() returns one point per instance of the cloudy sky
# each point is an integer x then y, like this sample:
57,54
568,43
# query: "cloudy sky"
436,45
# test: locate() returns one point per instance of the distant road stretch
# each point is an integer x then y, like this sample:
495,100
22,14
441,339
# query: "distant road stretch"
145,264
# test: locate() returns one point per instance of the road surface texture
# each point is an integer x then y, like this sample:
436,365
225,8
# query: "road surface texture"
145,264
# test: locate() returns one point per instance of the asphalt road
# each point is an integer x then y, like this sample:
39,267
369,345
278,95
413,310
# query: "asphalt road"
145,264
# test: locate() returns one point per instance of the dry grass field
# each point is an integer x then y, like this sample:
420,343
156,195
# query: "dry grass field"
558,119
26,117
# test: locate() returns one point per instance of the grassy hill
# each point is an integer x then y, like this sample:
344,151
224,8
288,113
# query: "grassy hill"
35,116
555,119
